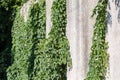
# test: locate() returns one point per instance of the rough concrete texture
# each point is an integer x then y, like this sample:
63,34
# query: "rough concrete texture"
79,33
25,9
72,18
48,16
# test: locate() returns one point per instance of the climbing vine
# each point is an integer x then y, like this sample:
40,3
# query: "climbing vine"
8,4
25,36
34,56
21,49
51,53
98,62
39,16
7,15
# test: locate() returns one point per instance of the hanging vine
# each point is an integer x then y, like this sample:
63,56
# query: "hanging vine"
7,16
21,49
38,15
25,36
51,55
37,58
98,62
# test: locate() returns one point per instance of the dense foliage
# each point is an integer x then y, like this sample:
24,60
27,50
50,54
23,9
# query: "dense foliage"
6,19
37,58
25,36
98,62
21,48
51,59
39,23
8,4
7,15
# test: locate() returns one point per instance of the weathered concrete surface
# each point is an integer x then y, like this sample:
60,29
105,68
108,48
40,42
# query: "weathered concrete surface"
72,23
113,38
79,33
48,16
25,9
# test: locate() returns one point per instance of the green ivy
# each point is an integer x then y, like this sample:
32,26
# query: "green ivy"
6,20
52,53
98,62
25,37
38,17
4,62
21,49
8,4
7,15
35,57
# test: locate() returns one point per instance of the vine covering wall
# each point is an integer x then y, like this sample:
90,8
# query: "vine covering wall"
7,15
21,49
38,58
24,39
98,62
51,59
39,37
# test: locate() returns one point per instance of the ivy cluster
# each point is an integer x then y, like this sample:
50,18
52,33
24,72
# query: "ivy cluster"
39,22
25,36
7,16
21,49
8,4
98,62
51,53
6,20
35,57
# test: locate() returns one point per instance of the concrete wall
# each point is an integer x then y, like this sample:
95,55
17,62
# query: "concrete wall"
25,9
79,33
48,16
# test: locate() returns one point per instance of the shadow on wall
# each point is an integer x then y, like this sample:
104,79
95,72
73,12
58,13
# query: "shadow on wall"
117,3
109,18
